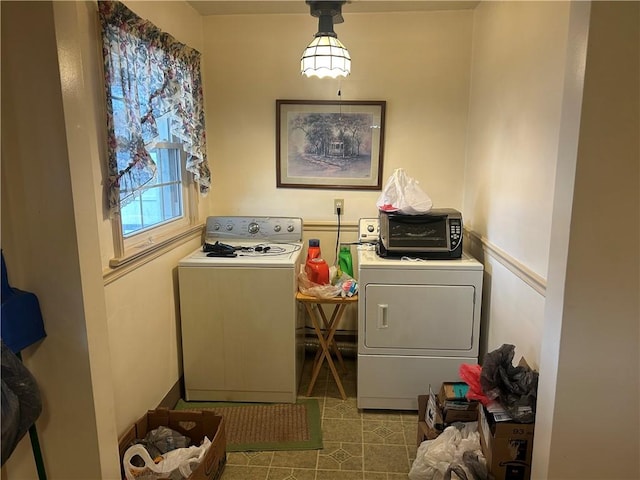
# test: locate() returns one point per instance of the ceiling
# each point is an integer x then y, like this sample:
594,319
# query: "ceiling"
239,7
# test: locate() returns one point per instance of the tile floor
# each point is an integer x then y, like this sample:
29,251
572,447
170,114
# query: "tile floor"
358,444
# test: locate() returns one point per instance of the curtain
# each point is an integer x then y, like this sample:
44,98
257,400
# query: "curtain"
148,74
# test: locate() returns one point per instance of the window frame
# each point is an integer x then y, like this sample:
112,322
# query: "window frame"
161,237
155,238
180,221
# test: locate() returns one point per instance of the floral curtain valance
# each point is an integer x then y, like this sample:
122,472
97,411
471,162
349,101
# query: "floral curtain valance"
148,75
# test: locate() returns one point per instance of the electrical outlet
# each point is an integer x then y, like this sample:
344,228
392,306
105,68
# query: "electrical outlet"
338,203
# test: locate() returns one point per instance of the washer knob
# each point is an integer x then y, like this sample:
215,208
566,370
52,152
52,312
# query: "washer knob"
254,228
370,228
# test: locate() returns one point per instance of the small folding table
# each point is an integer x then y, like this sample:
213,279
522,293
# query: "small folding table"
327,343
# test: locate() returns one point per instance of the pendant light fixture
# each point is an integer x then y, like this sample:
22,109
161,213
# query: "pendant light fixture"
326,56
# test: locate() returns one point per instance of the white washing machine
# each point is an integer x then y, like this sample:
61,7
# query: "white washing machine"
242,332
418,321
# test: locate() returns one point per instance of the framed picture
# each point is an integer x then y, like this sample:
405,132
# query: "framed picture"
329,144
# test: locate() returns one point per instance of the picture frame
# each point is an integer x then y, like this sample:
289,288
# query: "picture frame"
329,144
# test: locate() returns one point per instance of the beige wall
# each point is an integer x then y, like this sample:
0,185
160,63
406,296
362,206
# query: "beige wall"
519,50
592,322
417,62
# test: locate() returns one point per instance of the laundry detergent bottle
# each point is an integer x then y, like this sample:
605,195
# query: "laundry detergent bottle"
316,268
345,262
314,249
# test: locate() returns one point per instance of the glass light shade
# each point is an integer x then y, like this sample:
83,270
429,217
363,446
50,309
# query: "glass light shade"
325,56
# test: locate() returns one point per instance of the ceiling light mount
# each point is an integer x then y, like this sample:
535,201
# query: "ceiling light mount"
326,56
328,14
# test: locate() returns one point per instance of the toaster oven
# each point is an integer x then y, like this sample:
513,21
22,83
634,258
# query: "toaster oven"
433,235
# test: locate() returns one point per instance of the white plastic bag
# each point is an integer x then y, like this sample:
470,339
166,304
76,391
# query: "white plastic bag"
452,450
345,282
307,287
403,194
175,465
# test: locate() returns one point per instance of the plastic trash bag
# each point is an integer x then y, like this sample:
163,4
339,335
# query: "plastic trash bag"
162,440
174,465
514,387
473,467
21,403
403,194
455,453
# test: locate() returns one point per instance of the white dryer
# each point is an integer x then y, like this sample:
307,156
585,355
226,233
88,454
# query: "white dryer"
418,321
242,331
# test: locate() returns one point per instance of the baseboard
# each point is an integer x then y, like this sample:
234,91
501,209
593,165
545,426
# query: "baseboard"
175,394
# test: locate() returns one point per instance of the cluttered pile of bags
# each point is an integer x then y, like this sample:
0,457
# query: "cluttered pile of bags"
457,452
513,387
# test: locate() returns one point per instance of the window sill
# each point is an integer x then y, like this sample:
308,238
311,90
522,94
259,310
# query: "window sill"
135,258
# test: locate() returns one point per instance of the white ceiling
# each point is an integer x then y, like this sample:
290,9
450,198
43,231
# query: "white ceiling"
238,7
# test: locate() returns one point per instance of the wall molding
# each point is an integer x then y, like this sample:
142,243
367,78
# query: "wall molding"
332,226
121,267
528,276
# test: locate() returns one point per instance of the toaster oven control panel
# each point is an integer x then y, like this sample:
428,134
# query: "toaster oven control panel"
455,233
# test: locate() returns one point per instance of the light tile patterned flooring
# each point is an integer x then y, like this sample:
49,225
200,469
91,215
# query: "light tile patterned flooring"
358,444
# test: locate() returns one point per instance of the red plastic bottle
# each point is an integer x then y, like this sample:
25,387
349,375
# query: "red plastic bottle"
316,268
318,271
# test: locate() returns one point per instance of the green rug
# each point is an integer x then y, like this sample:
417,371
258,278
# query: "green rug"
253,427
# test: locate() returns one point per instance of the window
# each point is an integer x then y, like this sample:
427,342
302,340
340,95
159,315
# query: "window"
165,198
156,135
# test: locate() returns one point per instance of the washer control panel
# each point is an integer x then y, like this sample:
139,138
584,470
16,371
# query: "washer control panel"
273,229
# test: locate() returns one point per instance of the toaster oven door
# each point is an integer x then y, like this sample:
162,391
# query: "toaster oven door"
414,232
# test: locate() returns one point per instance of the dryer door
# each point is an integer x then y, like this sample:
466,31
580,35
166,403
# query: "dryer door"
419,319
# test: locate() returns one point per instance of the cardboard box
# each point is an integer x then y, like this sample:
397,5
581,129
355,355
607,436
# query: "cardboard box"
453,391
455,405
425,432
195,425
506,445
436,412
